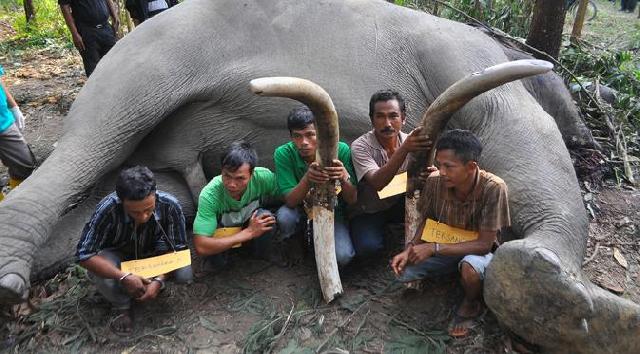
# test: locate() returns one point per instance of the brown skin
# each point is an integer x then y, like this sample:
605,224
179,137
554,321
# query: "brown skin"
461,177
387,121
235,183
71,23
306,144
10,101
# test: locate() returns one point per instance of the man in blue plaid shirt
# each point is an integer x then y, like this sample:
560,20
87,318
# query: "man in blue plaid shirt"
134,222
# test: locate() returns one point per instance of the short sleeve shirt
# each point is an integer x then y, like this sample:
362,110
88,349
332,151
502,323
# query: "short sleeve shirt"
88,12
486,208
111,228
215,200
368,155
6,117
290,168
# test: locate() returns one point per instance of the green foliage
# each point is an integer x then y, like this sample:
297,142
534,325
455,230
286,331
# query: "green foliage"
47,29
511,16
402,341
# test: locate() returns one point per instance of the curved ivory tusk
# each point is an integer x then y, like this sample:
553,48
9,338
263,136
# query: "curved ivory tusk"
326,118
450,101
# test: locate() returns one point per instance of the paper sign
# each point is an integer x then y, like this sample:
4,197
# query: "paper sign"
154,266
442,233
226,232
398,185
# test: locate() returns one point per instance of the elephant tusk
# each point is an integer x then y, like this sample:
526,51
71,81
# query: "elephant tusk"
324,196
440,111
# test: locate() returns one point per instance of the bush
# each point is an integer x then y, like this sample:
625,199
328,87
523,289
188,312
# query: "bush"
47,29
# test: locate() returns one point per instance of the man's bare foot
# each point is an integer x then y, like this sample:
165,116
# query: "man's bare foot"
466,318
121,323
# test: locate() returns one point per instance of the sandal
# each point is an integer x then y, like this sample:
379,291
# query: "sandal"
461,325
122,323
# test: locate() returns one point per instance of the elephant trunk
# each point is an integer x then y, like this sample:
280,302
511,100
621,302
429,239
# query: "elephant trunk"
442,109
534,288
324,196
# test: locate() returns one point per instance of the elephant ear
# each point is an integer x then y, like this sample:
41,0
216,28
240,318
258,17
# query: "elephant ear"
324,196
440,111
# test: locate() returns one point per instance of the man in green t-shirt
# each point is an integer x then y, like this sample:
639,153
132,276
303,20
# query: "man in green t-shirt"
297,171
233,199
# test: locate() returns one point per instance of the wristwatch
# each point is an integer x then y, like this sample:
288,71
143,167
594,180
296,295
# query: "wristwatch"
159,280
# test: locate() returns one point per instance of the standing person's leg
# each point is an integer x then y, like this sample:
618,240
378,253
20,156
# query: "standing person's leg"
16,155
90,55
344,246
106,38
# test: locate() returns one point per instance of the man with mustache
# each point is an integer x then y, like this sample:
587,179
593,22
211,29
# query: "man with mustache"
297,172
378,156
462,212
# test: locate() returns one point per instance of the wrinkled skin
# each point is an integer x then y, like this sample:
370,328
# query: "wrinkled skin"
175,92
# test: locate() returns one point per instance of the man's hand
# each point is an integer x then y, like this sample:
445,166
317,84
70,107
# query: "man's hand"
420,252
259,224
416,141
77,41
400,261
152,290
317,175
426,172
135,285
337,172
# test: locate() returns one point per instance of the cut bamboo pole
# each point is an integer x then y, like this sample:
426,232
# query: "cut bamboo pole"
324,196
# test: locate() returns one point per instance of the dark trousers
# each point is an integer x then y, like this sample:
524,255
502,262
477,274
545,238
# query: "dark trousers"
367,230
628,5
97,42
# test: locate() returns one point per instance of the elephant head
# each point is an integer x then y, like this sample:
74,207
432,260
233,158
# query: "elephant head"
173,93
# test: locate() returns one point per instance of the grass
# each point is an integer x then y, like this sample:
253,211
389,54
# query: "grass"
48,28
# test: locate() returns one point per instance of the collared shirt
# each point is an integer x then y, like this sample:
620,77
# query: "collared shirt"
110,227
216,202
88,12
290,168
486,208
368,155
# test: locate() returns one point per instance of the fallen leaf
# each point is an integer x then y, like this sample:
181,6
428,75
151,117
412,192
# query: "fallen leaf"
620,258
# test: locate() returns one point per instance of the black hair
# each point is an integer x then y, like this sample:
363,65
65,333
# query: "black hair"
464,144
239,153
299,118
384,96
135,183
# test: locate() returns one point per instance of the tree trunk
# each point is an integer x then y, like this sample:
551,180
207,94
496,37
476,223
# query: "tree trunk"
29,10
579,21
545,33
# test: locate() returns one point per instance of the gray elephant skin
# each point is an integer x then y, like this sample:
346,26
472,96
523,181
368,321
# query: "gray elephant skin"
174,92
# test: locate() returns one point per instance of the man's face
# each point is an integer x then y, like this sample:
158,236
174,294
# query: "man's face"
455,172
387,119
305,142
140,210
235,182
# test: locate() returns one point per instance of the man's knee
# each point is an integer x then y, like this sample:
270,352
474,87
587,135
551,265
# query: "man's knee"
468,274
287,220
183,275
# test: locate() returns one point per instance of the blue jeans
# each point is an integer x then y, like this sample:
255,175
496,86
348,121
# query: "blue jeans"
291,220
367,230
115,293
258,247
443,265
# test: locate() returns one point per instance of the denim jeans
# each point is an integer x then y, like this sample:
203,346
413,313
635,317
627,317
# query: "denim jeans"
367,230
443,265
291,220
115,293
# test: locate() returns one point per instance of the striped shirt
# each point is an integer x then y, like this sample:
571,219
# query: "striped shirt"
111,228
486,208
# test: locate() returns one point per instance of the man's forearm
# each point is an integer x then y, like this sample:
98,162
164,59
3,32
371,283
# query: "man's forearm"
113,10
101,267
381,177
10,101
209,245
68,19
298,193
349,193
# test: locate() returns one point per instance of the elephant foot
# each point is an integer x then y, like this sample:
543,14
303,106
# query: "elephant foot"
13,289
535,291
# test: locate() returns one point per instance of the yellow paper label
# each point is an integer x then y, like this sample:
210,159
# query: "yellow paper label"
398,185
154,266
226,232
442,233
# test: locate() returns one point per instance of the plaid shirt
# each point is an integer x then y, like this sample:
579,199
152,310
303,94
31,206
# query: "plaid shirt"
111,228
486,208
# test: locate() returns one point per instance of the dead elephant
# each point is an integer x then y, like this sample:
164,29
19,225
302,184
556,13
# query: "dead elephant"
191,98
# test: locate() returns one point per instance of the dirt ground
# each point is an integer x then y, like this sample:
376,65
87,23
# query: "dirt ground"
253,306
